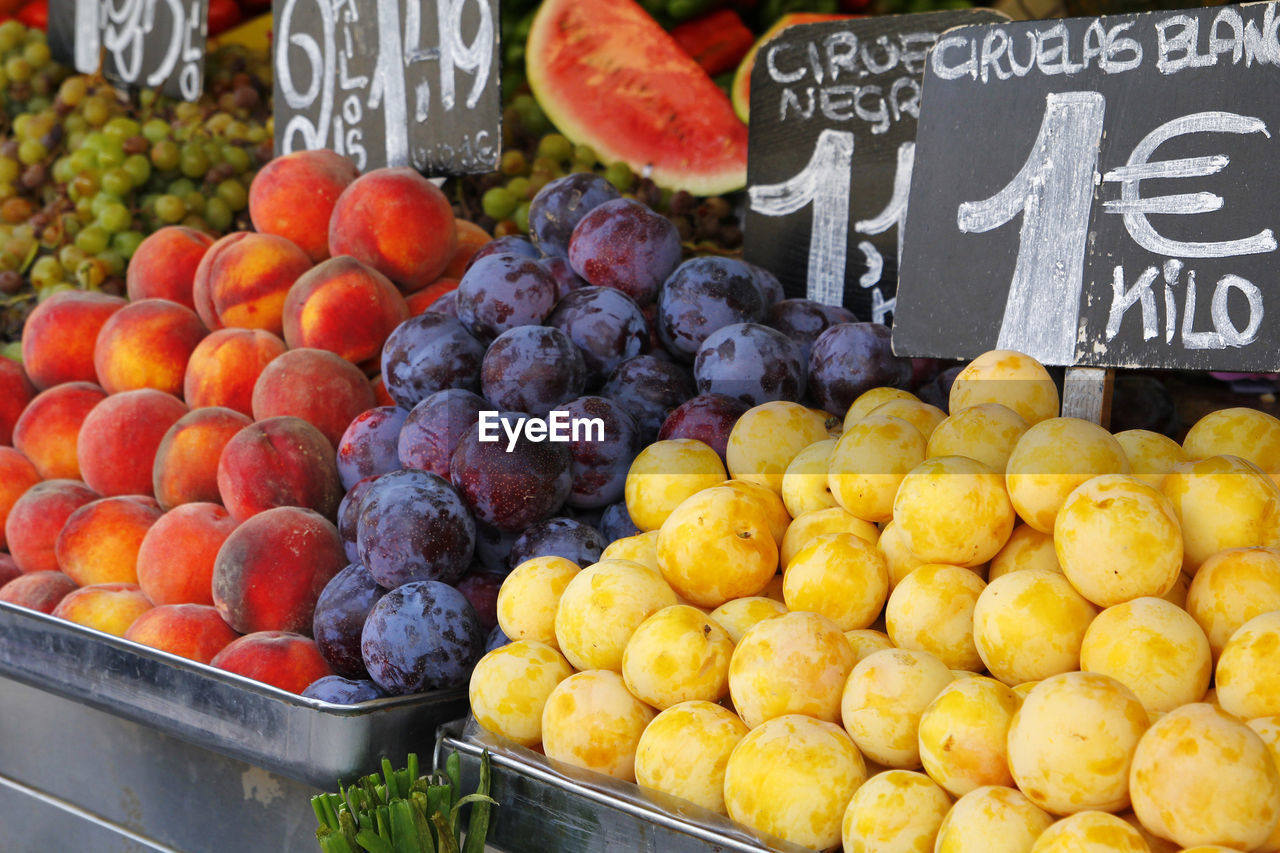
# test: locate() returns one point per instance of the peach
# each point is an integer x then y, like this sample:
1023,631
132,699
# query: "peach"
470,238
422,300
276,462
224,366
8,568
107,607
176,557
193,631
118,441
279,658
49,428
17,474
186,464
16,391
293,197
35,520
271,569
344,307
322,388
146,345
397,222
58,337
99,541
381,396
243,279
164,265
37,590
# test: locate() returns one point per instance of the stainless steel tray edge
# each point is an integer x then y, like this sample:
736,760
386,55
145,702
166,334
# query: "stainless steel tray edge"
316,742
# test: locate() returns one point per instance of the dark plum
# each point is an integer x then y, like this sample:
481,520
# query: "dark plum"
532,369
512,244
480,586
624,244
559,537
850,358
370,444
560,206
803,320
343,691
496,640
349,516
649,388
493,546
428,353
708,418
413,526
446,304
937,391
606,324
616,522
500,292
421,636
510,484
702,295
567,280
601,457
752,362
341,609
770,287
432,429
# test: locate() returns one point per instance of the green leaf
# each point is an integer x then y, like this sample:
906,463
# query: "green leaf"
448,842
478,826
372,842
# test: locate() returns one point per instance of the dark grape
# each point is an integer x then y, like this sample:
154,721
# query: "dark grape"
708,418
500,292
349,516
497,639
512,244
605,324
510,485
433,428
532,369
480,586
770,287
428,353
754,363
803,320
937,391
567,280
341,609
446,304
559,537
649,388
851,358
421,636
702,295
414,526
616,522
343,691
493,546
601,461
624,244
560,206
369,445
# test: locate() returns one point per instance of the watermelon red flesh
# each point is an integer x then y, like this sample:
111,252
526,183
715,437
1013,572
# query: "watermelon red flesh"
609,77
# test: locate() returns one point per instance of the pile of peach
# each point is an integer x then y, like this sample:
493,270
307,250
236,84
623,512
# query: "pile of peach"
167,464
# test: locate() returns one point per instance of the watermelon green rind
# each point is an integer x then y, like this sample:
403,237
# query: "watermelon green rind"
609,77
741,87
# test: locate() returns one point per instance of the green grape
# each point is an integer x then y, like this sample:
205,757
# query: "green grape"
218,122
96,110
195,202
621,176
147,98
126,242
74,140
73,90
518,187
83,186
194,162
71,255
498,202
39,103
555,147
258,134
102,201
62,171
138,168
544,166
514,163
170,209
155,129
37,54
114,261
181,187
91,273
165,155
186,111
117,182
116,219
18,69
94,140
121,128
236,130
84,210
10,169
92,239
84,160
236,158
585,154
218,213
537,181
75,123
31,151
44,293
521,216
45,272
21,125
4,78
11,35
197,222
111,155
234,194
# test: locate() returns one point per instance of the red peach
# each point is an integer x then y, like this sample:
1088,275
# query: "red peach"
58,337
279,658
281,461
8,568
99,541
243,278
272,568
344,307
146,345
17,474
35,520
107,607
119,438
293,197
470,238
37,590
193,631
381,396
175,560
225,365
164,265
16,391
49,428
186,465
322,388
425,298
397,222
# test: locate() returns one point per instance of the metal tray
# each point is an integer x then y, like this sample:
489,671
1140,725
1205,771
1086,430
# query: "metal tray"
548,805
315,742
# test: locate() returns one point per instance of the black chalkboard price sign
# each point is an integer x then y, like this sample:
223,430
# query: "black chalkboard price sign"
390,82
151,44
1099,192
830,153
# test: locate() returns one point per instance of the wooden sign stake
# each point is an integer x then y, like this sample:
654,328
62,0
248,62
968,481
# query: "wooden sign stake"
1086,394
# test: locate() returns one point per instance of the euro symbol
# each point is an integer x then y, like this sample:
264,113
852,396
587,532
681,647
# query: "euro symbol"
1135,208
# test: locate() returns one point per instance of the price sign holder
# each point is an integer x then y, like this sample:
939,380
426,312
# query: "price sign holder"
830,151
390,82
1093,192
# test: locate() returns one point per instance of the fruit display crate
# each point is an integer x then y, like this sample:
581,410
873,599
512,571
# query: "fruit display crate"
109,746
548,805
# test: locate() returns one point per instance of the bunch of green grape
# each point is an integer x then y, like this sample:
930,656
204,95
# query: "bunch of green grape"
28,75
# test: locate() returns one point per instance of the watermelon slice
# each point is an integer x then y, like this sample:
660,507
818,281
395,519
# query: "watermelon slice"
609,77
741,87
